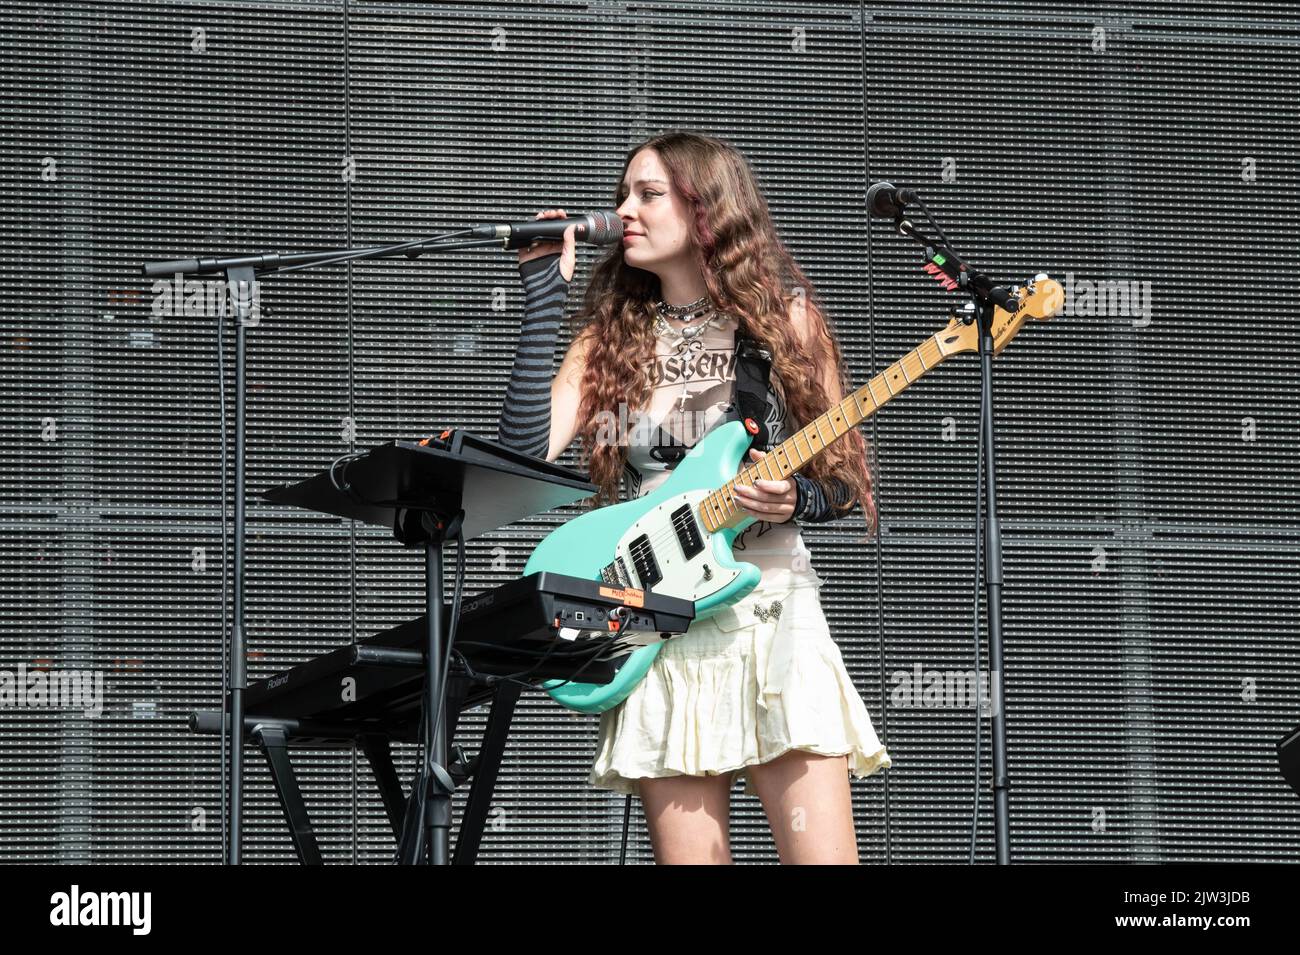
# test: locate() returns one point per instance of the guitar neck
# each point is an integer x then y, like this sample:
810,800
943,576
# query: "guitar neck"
795,453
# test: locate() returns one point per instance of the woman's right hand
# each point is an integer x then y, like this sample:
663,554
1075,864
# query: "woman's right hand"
567,248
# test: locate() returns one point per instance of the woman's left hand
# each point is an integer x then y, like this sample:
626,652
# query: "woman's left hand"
771,501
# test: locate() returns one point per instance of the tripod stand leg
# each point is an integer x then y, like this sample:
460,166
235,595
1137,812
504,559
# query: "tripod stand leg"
380,756
487,764
275,745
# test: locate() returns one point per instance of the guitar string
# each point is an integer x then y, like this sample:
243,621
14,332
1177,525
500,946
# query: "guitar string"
667,537
664,538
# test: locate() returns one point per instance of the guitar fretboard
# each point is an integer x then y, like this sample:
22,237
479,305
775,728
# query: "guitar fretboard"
720,509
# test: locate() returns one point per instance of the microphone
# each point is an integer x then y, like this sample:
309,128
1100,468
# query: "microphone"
885,201
595,228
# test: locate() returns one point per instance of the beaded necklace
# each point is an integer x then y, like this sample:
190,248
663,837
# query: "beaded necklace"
687,337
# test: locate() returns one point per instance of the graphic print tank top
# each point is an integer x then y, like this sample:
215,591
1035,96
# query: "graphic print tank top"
692,393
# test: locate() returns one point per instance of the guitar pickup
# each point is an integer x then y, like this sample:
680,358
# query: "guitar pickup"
687,531
644,562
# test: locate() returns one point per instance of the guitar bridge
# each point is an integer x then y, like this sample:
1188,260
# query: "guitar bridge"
615,573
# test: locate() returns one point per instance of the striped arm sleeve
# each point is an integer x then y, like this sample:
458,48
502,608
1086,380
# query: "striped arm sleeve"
525,423
814,500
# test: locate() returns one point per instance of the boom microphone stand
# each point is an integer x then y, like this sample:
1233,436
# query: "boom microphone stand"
953,273
242,273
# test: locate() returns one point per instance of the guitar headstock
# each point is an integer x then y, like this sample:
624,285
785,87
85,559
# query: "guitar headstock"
1040,298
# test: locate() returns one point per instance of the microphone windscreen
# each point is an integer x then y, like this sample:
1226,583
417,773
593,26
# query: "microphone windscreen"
605,228
881,202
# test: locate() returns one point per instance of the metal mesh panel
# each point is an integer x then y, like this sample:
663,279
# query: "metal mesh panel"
1147,462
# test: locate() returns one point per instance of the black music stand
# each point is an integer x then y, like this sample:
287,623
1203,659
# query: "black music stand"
458,485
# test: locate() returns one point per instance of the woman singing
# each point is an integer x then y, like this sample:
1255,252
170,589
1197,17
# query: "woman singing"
759,689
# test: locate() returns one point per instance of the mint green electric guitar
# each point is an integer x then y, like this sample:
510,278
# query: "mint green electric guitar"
677,539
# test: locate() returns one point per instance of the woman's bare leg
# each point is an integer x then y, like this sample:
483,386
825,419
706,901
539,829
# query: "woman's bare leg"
689,818
809,807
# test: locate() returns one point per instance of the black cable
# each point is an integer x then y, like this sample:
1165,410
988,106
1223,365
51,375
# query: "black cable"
526,652
979,553
979,547
451,636
406,852
592,655
627,818
413,822
345,488
935,226
226,715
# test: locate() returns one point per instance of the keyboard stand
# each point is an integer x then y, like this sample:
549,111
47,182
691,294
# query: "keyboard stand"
456,485
274,737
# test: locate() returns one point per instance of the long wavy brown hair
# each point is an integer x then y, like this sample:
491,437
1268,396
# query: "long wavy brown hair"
750,274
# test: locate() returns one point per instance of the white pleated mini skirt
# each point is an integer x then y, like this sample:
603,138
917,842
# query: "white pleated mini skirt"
754,681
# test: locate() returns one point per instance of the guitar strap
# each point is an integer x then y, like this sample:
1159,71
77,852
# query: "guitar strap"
753,365
749,399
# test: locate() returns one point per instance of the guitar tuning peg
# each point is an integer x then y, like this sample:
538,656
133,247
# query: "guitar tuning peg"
965,314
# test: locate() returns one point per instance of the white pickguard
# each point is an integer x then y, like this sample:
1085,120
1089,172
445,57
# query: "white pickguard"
688,579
